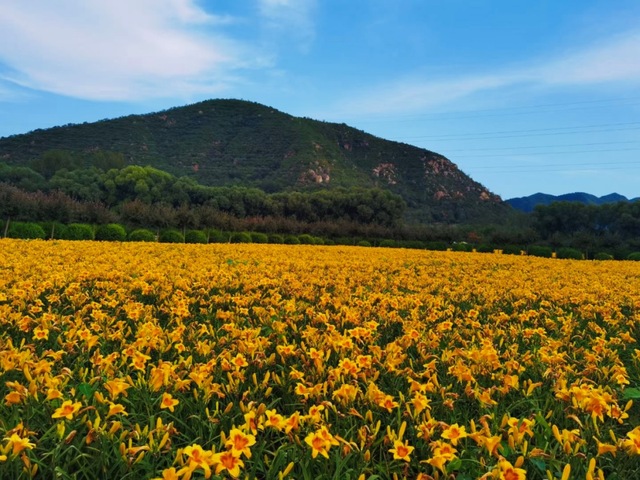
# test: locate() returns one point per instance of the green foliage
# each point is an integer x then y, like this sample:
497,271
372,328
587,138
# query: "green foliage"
415,244
257,237
53,230
512,250
328,241
539,251
195,236
77,231
485,248
291,240
241,237
388,243
603,256
363,243
635,256
437,246
318,241
344,241
276,238
306,239
26,231
111,233
142,235
216,236
460,247
569,253
170,236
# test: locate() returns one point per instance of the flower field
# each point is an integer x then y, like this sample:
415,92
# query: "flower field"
125,360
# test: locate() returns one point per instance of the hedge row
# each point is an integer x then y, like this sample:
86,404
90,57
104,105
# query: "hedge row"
117,233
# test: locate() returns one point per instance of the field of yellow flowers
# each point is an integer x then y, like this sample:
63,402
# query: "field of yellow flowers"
307,362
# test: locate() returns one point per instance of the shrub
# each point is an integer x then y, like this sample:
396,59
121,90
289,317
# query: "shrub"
306,239
257,237
111,233
603,256
142,235
538,251
291,240
344,241
241,237
485,248
170,236
569,253
276,239
635,256
438,246
26,231
415,244
512,250
388,243
460,247
329,242
216,236
56,228
363,243
77,231
318,241
195,236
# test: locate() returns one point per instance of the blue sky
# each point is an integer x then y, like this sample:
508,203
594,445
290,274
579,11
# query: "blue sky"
522,96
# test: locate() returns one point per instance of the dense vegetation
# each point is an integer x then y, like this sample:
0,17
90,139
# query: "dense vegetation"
235,143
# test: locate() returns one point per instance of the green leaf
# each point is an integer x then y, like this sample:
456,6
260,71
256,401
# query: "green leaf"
540,463
631,393
85,389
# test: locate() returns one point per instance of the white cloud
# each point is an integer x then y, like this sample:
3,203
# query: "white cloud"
116,49
290,17
615,60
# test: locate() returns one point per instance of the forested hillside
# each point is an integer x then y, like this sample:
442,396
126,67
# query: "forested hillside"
238,143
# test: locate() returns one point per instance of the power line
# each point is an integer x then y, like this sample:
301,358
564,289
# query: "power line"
543,146
552,153
546,105
483,167
564,170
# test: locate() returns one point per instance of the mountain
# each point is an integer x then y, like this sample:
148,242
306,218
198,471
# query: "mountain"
526,204
234,142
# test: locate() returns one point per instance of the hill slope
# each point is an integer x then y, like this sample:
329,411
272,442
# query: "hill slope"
233,142
526,204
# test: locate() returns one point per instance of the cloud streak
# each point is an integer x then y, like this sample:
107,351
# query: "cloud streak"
294,17
611,61
117,49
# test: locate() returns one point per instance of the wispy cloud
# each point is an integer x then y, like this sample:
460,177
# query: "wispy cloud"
117,49
291,17
614,60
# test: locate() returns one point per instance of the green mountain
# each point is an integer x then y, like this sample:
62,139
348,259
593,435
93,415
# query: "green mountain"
527,204
233,142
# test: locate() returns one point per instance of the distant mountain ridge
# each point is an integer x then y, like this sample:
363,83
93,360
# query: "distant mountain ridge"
241,143
526,204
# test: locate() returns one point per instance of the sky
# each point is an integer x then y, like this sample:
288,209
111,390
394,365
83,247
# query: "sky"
524,97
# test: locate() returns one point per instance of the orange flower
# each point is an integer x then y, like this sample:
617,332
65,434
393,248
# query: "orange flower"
401,451
239,443
318,445
454,433
168,402
230,462
67,410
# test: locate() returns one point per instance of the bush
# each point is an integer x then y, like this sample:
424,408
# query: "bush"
257,237
195,236
306,239
363,243
276,239
344,241
291,240
538,251
512,250
26,231
170,236
437,246
460,247
635,256
603,256
216,236
77,231
142,235
415,244
111,233
318,241
329,242
241,237
56,227
569,253
485,248
388,243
